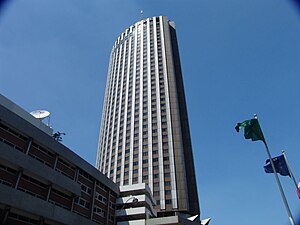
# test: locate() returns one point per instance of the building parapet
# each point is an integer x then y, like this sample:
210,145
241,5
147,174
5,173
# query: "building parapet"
25,115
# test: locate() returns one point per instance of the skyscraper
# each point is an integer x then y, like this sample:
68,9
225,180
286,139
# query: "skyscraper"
144,135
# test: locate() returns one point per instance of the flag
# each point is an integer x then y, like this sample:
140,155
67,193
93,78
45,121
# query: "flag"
279,164
252,130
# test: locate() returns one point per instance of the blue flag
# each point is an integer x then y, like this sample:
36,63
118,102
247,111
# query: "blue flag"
280,166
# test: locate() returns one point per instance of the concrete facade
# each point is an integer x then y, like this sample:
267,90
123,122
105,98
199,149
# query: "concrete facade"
43,182
144,135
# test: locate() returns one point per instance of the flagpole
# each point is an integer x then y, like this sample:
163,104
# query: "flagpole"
289,168
291,173
279,186
252,130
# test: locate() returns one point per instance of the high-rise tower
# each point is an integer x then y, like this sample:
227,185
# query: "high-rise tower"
144,136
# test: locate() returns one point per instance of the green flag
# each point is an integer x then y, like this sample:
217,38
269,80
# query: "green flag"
252,130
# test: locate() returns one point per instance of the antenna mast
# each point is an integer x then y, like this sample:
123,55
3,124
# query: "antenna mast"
142,14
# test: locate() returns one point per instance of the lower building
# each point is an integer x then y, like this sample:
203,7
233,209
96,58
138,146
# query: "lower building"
135,205
43,182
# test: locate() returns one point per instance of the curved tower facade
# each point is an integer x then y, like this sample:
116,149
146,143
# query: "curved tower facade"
144,135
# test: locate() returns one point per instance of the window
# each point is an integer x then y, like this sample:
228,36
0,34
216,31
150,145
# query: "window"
168,201
82,202
23,219
85,188
12,171
167,183
167,174
99,211
167,166
167,192
100,198
34,181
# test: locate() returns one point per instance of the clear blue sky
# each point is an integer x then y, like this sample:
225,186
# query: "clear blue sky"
238,58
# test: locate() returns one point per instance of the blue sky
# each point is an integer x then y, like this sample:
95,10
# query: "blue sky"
238,58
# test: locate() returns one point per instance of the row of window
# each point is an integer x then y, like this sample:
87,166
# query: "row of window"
23,219
8,169
167,201
13,132
5,182
157,193
10,144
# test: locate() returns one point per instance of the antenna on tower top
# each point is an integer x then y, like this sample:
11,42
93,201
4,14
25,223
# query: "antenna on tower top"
142,14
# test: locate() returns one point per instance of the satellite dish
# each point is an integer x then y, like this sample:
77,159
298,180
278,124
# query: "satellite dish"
40,114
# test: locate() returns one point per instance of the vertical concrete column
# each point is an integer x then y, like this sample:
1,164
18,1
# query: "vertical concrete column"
93,199
49,192
4,215
108,202
18,178
74,196
73,199
55,162
28,145
76,174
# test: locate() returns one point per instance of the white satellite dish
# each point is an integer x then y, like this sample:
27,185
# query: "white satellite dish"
40,114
